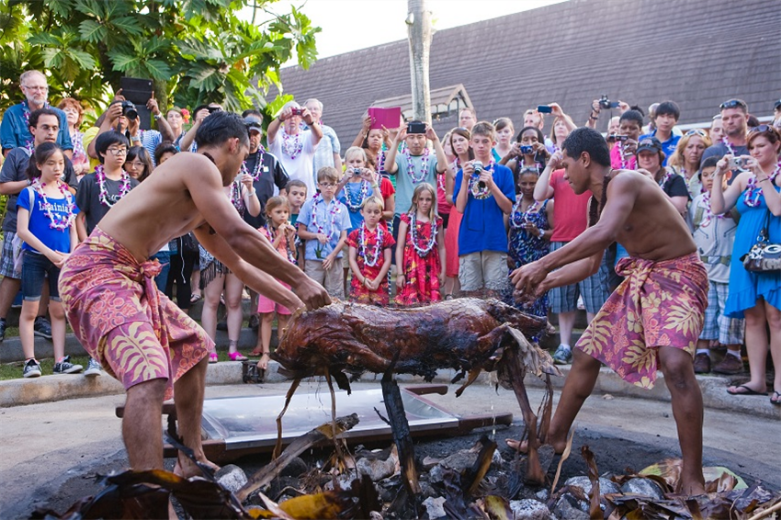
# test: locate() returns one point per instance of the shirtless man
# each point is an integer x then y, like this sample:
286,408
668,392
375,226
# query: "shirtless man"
654,317
138,335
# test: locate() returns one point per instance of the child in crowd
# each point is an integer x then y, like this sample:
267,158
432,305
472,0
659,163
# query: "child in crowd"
531,226
714,236
358,184
138,163
296,192
631,123
45,222
370,255
420,252
282,235
323,223
485,194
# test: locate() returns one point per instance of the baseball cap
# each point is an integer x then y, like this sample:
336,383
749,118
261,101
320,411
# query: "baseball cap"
253,123
649,144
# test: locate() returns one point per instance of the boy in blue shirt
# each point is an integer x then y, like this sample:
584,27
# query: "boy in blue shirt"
484,199
324,223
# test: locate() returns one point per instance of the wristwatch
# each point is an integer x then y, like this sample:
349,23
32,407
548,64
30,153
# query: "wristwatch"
157,116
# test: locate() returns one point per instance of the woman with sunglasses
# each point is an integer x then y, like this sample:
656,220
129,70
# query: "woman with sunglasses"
686,160
754,296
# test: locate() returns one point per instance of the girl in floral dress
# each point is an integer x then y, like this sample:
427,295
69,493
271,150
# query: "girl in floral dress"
370,250
420,251
531,226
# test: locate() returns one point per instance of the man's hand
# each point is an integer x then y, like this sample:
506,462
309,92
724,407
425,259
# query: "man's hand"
401,133
624,107
468,169
486,178
430,133
306,115
152,105
596,106
528,277
114,113
118,96
311,293
133,125
556,110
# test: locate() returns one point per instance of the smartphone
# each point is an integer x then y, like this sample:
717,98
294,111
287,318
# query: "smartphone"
544,109
416,127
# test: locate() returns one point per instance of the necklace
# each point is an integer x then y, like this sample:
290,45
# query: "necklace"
441,181
352,204
381,158
517,217
728,146
256,173
103,194
370,261
623,165
294,148
333,213
56,222
705,203
411,169
479,189
422,251
273,231
668,174
236,196
753,192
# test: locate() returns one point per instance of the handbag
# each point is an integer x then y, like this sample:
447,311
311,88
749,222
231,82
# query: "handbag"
763,257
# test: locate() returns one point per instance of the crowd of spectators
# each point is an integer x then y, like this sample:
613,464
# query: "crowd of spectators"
403,218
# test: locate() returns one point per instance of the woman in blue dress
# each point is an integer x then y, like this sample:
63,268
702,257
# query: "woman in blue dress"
754,296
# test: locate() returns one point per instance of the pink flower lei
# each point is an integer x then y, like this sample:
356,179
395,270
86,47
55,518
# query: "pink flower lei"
56,222
363,245
753,192
422,251
256,173
124,188
333,212
411,169
292,150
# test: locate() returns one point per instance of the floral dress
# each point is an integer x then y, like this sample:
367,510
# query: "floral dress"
369,258
422,272
525,248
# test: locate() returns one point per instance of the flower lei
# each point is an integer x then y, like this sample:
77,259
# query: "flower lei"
381,159
272,231
256,173
411,169
517,217
705,203
293,150
333,212
414,239
753,192
623,164
474,183
363,194
56,222
363,245
668,175
236,196
728,146
124,188
26,118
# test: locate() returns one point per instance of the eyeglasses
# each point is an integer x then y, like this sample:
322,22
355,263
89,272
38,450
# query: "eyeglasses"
327,185
732,104
696,132
135,164
118,151
38,87
761,128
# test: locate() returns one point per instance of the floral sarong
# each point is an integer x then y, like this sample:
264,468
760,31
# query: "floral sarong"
122,320
658,304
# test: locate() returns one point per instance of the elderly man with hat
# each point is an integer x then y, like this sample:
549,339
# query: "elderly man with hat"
649,157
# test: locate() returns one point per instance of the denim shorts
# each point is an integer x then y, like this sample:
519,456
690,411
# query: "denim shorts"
35,269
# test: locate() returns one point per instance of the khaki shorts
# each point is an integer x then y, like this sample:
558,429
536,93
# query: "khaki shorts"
333,279
483,269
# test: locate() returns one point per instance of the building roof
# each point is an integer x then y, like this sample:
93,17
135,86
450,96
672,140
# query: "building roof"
640,51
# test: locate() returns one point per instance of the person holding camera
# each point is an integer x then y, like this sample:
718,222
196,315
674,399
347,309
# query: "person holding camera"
529,151
187,142
623,153
295,147
605,103
734,114
754,295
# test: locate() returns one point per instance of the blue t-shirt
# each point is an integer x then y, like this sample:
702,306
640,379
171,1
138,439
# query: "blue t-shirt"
313,249
14,131
404,183
483,227
355,199
57,240
669,145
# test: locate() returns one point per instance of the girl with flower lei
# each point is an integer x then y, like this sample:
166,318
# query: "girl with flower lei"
45,222
529,151
458,152
420,250
282,235
369,255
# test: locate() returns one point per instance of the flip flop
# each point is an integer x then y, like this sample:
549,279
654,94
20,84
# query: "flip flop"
746,392
195,297
775,398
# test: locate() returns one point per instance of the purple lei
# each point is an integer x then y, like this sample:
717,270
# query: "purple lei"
256,173
753,192
100,174
56,222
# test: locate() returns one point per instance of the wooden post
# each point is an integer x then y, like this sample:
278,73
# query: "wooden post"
419,33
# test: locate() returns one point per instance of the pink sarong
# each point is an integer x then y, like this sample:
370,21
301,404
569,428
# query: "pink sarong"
118,315
658,304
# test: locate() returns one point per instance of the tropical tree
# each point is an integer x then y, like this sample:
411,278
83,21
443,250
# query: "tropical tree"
195,51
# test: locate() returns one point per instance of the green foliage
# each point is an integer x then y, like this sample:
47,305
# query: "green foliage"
195,51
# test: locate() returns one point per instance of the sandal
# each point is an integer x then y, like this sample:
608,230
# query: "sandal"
744,390
236,356
195,297
775,398
213,358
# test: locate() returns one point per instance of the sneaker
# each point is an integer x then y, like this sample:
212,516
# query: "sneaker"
729,365
42,328
2,329
66,367
31,369
93,368
563,355
702,363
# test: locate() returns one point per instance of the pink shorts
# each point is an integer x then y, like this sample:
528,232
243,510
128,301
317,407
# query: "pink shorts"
267,305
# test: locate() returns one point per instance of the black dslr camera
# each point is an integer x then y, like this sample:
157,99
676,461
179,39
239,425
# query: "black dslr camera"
606,104
129,110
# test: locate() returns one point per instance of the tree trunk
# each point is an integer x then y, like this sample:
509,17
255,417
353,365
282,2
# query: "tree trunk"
419,32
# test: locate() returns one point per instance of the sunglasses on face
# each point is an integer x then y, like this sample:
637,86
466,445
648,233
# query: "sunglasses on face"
732,104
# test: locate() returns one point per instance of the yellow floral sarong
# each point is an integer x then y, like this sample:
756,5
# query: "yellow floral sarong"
658,304
122,320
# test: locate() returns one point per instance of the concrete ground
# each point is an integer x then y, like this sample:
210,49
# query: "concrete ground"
51,452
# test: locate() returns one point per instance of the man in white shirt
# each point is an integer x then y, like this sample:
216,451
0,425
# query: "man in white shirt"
292,146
